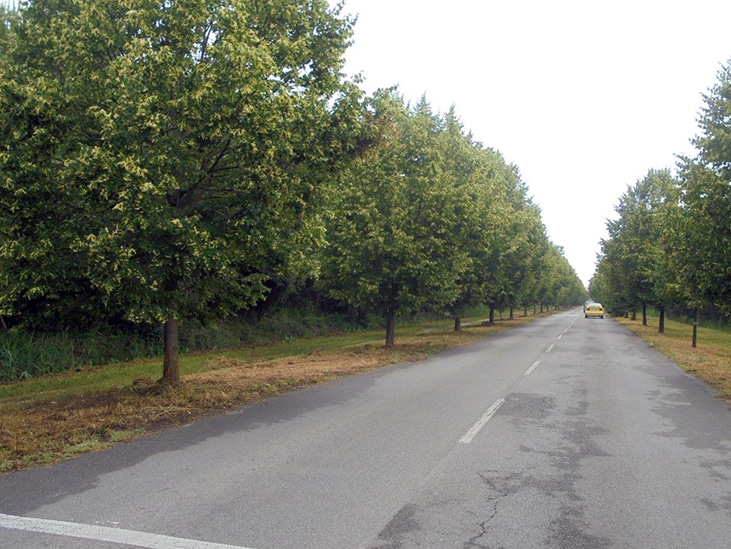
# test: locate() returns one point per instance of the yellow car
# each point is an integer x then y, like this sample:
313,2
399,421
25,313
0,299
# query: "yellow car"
594,309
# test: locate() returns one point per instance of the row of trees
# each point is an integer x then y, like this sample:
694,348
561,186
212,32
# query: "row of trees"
670,246
164,161
428,218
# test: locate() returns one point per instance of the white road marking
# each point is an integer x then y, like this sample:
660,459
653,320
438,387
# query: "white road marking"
472,433
103,533
529,371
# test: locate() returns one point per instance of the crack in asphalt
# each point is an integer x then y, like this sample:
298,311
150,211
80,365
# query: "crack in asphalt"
567,529
501,492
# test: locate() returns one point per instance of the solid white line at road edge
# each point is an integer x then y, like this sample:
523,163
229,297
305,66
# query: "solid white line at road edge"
472,433
103,533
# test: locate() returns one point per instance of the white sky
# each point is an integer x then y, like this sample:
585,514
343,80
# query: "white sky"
584,97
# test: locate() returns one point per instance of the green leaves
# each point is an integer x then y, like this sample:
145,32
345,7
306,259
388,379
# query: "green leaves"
714,143
639,243
163,159
390,234
670,245
428,219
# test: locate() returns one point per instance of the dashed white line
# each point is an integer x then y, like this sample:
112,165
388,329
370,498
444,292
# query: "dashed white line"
472,433
529,371
467,438
103,533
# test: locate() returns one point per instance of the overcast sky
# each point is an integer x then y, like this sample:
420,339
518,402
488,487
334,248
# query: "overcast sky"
584,97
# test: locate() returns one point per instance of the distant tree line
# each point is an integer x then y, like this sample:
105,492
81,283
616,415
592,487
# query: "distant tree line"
172,162
670,247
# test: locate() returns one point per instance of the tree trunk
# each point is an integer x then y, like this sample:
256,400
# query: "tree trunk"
695,329
457,324
634,314
512,317
525,310
492,315
390,329
661,329
170,363
644,314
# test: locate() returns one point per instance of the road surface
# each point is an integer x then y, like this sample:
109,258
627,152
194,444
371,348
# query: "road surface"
564,433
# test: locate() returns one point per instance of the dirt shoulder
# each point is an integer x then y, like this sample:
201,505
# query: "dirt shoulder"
52,428
47,431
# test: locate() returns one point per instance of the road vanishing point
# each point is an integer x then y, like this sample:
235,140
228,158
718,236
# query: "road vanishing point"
563,433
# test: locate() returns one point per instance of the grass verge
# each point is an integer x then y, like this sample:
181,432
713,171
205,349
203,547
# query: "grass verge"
49,419
709,361
52,418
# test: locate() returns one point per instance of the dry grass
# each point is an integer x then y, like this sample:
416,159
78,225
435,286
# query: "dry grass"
709,361
48,429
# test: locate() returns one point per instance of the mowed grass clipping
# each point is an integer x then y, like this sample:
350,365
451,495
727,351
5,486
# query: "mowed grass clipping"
49,419
46,420
709,361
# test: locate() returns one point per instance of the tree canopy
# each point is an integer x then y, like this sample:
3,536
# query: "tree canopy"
393,248
160,159
162,162
428,219
670,245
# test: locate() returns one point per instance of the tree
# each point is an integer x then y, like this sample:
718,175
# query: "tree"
522,261
622,253
639,247
714,142
483,216
703,238
661,193
700,224
599,285
501,260
560,286
392,248
670,244
706,201
160,160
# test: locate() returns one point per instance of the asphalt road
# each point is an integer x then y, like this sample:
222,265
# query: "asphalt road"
564,433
